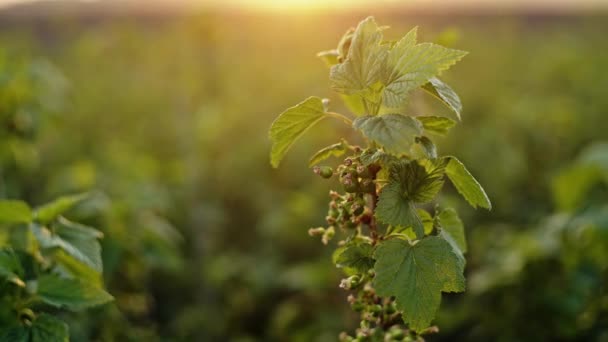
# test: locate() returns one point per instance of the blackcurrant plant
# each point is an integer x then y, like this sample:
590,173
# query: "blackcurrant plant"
48,263
398,249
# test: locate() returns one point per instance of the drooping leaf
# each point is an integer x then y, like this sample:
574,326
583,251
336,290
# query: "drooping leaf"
409,183
292,124
436,124
450,223
395,132
445,94
355,256
416,275
10,267
363,69
13,211
334,150
50,211
74,294
466,184
411,65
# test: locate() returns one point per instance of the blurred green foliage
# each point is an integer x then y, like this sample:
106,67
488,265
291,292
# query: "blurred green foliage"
167,118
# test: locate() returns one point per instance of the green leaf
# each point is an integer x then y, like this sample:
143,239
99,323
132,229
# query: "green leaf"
70,238
436,124
450,223
292,124
409,183
48,212
10,267
411,65
445,94
416,275
466,184
71,267
354,103
12,211
355,256
395,132
47,328
335,150
364,66
73,294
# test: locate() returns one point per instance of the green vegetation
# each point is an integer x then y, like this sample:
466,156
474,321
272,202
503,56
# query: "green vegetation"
163,122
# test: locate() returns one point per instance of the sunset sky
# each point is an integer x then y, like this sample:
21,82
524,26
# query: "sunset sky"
311,4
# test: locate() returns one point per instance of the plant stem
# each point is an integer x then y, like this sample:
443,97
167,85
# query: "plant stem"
373,228
342,117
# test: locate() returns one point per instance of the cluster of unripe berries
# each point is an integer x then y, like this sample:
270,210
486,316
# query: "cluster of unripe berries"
355,177
379,318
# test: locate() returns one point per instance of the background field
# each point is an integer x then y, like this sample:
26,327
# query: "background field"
165,115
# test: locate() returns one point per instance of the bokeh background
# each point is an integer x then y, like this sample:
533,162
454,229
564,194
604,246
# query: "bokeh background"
162,109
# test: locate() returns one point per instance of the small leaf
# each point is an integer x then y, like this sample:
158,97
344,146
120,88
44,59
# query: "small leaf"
12,211
395,132
74,294
48,212
10,267
335,150
436,124
450,223
409,183
466,184
445,94
355,256
416,275
292,124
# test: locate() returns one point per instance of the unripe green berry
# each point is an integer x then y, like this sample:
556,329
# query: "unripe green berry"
323,171
316,231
